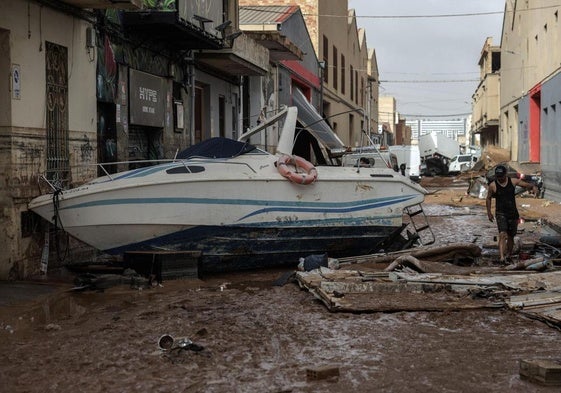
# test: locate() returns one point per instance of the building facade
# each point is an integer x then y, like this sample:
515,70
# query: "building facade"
387,115
452,128
402,133
99,86
530,88
293,78
485,100
349,73
127,81
48,119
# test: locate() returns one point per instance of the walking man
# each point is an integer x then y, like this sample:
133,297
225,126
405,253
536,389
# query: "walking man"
506,213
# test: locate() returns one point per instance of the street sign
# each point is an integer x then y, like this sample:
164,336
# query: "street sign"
16,82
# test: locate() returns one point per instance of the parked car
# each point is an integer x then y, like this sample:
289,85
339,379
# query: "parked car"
461,163
533,178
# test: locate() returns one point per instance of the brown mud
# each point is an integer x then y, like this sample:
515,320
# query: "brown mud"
257,337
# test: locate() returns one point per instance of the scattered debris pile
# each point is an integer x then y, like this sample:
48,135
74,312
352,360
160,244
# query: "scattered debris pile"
101,282
493,155
451,277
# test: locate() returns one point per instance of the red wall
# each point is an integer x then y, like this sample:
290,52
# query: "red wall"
535,120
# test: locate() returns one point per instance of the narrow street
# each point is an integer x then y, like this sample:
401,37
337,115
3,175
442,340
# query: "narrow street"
257,337
147,139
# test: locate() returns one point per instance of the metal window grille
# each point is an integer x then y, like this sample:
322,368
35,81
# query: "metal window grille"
58,167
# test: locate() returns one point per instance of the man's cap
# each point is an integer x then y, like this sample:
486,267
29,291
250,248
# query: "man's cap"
500,170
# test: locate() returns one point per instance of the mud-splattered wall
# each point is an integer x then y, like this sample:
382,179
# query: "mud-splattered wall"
26,28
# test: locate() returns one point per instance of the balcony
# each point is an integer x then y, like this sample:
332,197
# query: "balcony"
486,104
167,29
244,57
279,46
104,4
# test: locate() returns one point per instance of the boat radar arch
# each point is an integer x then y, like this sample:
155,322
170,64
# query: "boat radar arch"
286,138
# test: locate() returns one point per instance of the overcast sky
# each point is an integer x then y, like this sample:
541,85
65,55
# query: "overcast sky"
429,48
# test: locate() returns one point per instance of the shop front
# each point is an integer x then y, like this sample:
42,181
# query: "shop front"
148,95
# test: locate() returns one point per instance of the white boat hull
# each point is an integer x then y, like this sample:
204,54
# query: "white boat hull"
236,208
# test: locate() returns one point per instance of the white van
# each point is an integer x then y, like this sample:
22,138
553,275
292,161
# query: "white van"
409,156
462,163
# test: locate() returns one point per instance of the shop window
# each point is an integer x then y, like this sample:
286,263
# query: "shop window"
351,78
325,58
235,117
178,116
335,68
343,86
178,109
356,86
222,115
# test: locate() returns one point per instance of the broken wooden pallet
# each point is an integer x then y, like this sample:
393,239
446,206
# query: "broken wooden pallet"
542,371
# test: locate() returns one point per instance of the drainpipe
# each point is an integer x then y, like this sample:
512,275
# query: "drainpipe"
321,71
240,106
191,75
277,103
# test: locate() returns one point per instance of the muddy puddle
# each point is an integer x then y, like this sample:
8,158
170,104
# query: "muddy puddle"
452,224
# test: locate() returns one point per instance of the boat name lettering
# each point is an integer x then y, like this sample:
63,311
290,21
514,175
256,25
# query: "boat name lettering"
287,219
365,187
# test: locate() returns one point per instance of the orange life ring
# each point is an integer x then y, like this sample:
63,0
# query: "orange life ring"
285,164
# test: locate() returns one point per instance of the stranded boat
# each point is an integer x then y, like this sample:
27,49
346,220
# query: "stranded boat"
240,206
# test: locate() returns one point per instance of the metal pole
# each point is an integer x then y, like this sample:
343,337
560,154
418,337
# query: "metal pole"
321,71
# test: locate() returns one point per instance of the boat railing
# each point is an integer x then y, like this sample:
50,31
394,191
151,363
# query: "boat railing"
56,183
133,162
213,160
43,178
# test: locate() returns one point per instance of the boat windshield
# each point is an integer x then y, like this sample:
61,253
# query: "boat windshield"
217,147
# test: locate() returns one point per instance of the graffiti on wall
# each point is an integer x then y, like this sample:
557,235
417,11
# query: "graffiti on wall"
112,51
28,162
106,88
86,150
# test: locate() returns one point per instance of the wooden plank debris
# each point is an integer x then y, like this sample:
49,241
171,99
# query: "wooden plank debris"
537,295
354,291
543,371
519,281
543,305
411,284
324,372
537,299
434,253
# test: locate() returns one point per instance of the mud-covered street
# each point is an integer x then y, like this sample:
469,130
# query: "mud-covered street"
251,336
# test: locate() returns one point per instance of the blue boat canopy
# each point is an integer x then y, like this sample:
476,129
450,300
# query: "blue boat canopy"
217,147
